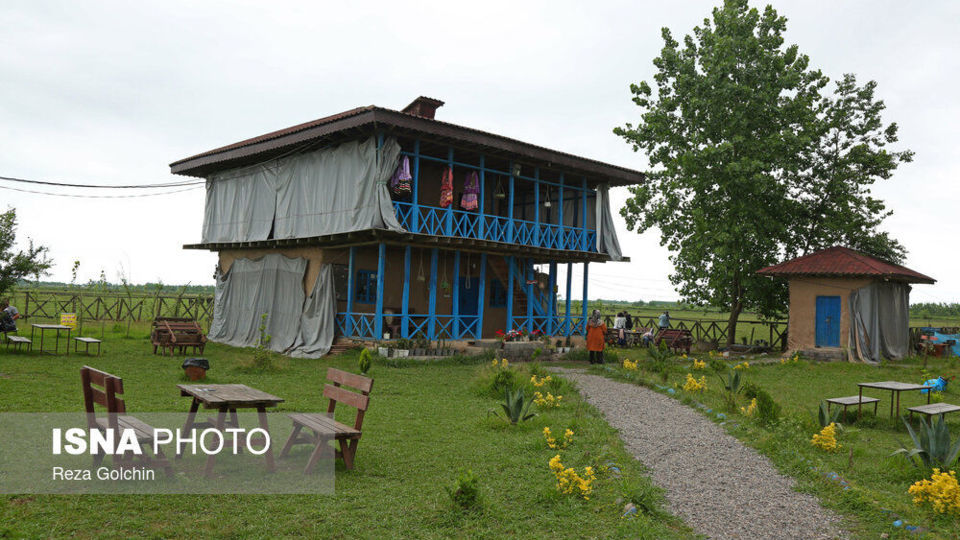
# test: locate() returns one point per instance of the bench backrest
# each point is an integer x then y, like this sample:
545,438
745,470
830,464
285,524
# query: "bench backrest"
100,387
336,393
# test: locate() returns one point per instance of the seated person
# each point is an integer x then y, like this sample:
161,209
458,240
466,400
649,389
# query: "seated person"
620,321
8,316
647,337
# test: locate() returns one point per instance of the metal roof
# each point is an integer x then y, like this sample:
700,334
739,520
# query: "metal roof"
363,121
839,261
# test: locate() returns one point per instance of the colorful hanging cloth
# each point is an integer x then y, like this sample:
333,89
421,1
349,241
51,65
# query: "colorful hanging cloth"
400,181
471,187
446,188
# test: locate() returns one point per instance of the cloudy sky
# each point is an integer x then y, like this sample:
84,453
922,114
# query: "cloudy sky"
112,92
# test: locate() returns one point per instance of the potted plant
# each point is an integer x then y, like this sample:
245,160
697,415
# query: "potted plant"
403,348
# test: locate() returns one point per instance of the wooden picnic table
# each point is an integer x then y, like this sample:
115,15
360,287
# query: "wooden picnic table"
58,327
227,398
895,387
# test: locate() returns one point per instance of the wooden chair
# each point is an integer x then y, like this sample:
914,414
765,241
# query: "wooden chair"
325,427
110,387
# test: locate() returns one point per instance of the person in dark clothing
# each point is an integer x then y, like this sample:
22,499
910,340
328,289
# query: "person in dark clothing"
629,321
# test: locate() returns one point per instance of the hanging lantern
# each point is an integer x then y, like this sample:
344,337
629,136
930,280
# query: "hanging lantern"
546,200
498,192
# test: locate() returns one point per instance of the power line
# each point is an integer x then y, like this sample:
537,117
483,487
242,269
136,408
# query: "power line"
104,186
72,195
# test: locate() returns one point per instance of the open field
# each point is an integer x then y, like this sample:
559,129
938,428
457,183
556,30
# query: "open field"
878,482
426,424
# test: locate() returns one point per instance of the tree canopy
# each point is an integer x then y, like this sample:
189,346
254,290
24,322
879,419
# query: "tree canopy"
15,265
753,160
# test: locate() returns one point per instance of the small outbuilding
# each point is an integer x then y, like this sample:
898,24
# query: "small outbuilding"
847,303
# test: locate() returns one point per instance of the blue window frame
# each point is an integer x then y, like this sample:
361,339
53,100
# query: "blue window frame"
498,294
365,287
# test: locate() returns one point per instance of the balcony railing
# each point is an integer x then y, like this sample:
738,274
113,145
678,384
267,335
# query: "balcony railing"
449,222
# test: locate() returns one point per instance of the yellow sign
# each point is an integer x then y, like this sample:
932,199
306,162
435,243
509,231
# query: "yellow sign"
69,319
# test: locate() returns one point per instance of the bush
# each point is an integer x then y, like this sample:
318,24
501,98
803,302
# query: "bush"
466,494
768,410
751,390
364,361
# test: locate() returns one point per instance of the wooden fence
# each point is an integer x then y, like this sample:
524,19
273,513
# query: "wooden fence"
110,306
750,332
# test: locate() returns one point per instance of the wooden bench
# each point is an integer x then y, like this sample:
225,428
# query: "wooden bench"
677,339
176,335
18,342
931,409
102,388
325,428
852,400
88,341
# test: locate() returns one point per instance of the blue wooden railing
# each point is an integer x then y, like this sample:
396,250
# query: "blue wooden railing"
449,222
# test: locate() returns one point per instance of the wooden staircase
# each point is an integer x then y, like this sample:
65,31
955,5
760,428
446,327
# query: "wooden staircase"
501,270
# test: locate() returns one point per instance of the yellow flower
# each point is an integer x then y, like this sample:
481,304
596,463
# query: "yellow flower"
942,491
628,365
694,385
749,410
699,364
742,365
504,363
826,439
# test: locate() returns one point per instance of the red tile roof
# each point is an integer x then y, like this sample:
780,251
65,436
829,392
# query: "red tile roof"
844,262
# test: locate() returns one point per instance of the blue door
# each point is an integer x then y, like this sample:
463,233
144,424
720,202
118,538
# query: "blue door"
828,321
469,304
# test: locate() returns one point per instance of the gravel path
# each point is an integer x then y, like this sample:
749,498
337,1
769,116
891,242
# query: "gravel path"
720,487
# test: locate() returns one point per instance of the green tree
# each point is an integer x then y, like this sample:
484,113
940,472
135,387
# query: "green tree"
15,265
751,162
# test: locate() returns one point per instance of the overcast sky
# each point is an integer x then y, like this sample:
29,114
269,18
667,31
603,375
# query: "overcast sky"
112,92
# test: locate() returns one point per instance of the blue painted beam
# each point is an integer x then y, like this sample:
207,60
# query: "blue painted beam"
564,243
528,271
455,302
470,166
432,310
566,317
483,192
415,199
405,309
481,296
381,273
583,217
351,278
511,234
552,295
509,287
586,308
536,206
448,227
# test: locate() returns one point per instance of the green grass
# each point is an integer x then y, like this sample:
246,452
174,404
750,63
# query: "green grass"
878,482
426,425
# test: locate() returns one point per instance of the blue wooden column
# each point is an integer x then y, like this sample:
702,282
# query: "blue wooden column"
583,219
481,294
552,295
405,313
448,216
381,272
536,207
415,198
528,271
455,302
586,308
511,230
351,277
509,287
482,225
563,242
566,317
432,310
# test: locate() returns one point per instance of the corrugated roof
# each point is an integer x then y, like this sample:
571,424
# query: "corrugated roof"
844,262
347,123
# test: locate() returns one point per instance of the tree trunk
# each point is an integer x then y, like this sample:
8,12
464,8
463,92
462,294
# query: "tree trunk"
735,310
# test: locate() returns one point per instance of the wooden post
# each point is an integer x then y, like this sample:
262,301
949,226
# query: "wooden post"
564,243
566,318
482,224
455,302
509,288
415,198
511,230
552,294
448,222
536,207
351,269
586,308
528,272
432,314
481,295
381,271
405,309
583,220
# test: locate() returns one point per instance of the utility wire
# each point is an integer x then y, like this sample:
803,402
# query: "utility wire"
100,196
102,186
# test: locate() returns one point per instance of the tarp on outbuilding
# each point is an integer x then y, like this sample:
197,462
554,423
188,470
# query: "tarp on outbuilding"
879,321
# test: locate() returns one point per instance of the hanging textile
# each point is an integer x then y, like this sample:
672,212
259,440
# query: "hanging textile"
606,234
400,182
317,320
471,188
879,321
240,205
446,188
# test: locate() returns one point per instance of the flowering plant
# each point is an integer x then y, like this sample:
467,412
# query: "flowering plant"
699,364
630,365
540,382
555,444
941,490
750,409
568,481
826,439
694,385
546,402
742,365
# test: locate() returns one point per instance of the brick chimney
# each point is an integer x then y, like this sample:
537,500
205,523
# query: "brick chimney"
423,107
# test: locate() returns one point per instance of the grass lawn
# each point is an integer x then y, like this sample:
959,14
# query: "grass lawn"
426,424
878,482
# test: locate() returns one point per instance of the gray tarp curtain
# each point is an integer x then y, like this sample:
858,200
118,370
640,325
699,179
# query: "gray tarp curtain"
879,321
273,285
329,191
606,233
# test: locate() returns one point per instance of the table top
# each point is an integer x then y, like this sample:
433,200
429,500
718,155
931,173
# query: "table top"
52,326
229,395
935,408
852,400
893,385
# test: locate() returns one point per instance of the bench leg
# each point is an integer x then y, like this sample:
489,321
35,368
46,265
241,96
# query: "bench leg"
291,440
349,450
262,417
322,449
